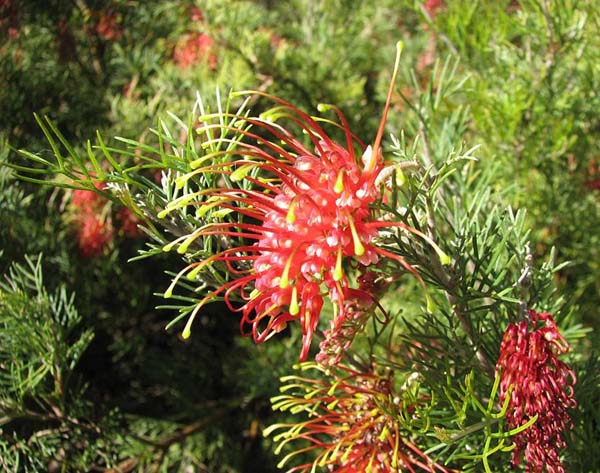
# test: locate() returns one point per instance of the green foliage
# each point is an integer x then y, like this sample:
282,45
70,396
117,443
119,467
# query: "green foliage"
42,342
492,159
533,101
48,412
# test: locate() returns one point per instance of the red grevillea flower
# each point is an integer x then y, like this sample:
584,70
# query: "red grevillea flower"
538,384
88,201
94,229
194,48
311,212
352,424
432,6
90,214
93,235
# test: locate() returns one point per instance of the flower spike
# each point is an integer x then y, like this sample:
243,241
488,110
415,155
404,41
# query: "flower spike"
536,385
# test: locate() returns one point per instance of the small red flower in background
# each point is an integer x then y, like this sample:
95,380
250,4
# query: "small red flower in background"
108,26
541,385
94,229
593,174
196,14
93,235
194,48
88,201
91,215
432,6
351,424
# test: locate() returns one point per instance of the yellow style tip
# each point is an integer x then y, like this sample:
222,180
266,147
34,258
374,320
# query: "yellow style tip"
294,306
339,182
291,216
445,259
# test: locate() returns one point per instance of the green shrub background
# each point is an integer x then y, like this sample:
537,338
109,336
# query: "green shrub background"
89,379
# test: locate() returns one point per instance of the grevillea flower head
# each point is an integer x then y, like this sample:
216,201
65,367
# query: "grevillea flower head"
352,423
539,384
307,213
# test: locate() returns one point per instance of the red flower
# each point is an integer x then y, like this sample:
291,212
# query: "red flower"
317,219
88,201
91,216
311,212
593,184
432,6
541,385
196,14
93,235
108,26
194,48
94,229
352,424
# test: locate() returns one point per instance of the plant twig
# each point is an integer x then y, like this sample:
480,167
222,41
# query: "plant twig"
440,272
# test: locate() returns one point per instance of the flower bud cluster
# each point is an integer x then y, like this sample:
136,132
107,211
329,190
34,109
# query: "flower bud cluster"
538,383
358,310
